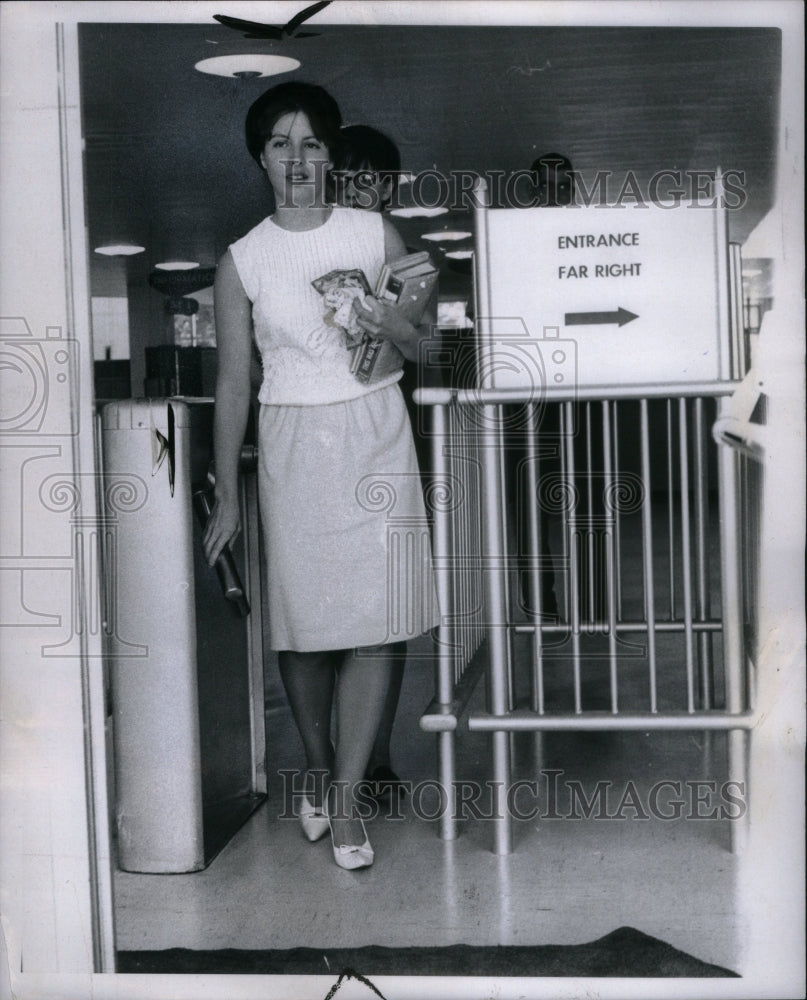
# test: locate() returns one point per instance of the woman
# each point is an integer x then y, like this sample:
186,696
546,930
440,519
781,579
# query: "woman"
367,169
366,173
336,460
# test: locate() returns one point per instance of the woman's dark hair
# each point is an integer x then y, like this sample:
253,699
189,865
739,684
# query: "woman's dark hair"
364,148
315,103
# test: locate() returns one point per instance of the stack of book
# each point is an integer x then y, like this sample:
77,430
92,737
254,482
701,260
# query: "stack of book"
406,283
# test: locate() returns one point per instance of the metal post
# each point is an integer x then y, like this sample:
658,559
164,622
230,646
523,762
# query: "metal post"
731,592
617,525
647,551
495,563
706,677
570,489
534,547
590,533
686,562
444,665
670,509
610,504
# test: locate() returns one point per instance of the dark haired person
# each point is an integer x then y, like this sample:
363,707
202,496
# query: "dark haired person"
554,180
322,438
367,168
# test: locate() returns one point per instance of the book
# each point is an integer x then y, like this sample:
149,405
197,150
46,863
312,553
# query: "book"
406,283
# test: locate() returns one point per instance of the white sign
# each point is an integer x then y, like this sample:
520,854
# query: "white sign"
605,295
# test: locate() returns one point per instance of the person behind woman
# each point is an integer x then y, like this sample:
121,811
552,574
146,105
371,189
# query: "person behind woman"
554,180
365,175
336,456
367,168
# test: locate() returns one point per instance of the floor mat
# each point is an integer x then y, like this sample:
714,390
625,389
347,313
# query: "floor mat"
623,952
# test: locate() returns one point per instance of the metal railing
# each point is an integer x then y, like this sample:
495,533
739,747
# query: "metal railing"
619,497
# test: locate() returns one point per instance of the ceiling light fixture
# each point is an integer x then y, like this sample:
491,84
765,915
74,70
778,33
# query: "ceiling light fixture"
449,235
120,250
177,265
417,212
247,66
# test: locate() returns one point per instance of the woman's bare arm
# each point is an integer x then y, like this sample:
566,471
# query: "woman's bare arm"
234,347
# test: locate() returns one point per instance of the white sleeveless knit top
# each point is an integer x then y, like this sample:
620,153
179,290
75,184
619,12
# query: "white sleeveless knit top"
305,359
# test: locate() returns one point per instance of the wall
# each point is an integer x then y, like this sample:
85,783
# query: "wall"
51,730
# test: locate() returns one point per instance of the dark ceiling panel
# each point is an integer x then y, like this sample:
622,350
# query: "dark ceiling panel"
166,165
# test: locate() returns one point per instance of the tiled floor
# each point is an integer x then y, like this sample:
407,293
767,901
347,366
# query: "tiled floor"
568,880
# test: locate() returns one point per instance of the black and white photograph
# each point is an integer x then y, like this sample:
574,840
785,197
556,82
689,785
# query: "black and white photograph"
443,635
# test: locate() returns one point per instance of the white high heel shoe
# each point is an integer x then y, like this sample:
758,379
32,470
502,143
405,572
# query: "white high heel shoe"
314,821
351,856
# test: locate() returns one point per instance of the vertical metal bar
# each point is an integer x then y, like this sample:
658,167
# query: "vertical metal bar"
617,522
475,581
739,747
570,492
686,548
467,474
535,551
444,545
610,501
670,508
589,532
455,522
493,541
501,446
565,431
729,275
727,364
503,442
463,573
444,662
739,353
702,597
733,650
647,553
731,594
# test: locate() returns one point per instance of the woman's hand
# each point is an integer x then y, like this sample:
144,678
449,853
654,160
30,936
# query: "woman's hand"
223,526
385,322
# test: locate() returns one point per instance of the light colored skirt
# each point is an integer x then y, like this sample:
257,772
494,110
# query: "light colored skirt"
347,542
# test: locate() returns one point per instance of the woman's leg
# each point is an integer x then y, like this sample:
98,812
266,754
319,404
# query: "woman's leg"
361,691
309,680
380,755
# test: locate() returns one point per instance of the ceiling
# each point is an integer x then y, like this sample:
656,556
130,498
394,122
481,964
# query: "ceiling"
167,168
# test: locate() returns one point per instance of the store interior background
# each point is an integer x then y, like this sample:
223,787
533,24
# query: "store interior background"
167,169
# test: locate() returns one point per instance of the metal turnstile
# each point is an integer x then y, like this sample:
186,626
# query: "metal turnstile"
186,672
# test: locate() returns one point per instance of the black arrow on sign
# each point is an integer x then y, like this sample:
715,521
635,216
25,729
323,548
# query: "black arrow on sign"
620,317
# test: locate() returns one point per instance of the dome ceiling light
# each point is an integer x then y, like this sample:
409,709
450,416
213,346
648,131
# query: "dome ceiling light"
450,235
417,212
177,265
120,250
247,66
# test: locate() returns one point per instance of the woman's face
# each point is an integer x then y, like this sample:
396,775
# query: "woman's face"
362,188
296,162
